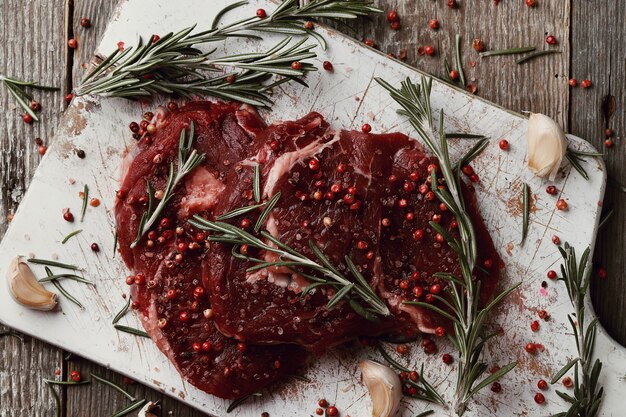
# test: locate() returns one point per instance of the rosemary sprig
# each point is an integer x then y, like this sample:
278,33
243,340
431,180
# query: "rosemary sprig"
113,385
537,54
575,157
83,209
188,160
241,400
426,391
55,395
70,235
587,393
526,210
605,218
115,243
122,312
330,275
459,61
17,89
256,188
467,317
61,289
511,51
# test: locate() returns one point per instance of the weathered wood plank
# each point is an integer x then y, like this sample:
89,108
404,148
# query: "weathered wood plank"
598,36
32,44
538,86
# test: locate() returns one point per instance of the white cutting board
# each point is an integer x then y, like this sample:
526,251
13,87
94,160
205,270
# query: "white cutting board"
347,97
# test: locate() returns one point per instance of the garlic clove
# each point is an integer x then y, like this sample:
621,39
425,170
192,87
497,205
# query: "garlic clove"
384,387
547,145
25,288
150,410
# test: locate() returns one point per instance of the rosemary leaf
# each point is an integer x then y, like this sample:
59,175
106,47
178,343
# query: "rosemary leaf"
256,184
425,413
12,334
53,382
129,409
459,61
68,276
239,211
575,161
113,385
512,51
563,371
266,211
53,263
493,377
131,330
74,233
241,400
63,290
55,395
464,136
122,312
605,218
85,199
537,54
339,296
525,210
115,243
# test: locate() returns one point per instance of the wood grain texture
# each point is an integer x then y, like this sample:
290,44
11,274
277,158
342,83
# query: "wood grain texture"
599,55
32,47
597,36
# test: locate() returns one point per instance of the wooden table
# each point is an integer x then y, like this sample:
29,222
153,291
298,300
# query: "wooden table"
591,36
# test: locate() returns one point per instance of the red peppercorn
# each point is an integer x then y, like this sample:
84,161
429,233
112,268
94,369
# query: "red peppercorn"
410,216
296,65
454,75
440,331
539,398
543,314
551,189
198,292
245,223
361,244
551,40
206,346
231,78
488,263
447,358
328,66
561,204
68,97
322,403
35,106
85,22
392,16
609,132
573,82
68,216
72,43
418,292
496,387
42,150
467,170
27,118
429,50
567,382
478,45
332,411
164,223
585,83
408,186
366,128
395,25
308,25
542,384
418,234
531,348
608,143
434,24
95,247
260,13
602,274
534,326
435,289
504,145
319,411
556,240
140,279
430,196
531,3
452,4
402,349
429,298
75,375
134,127
552,274
183,316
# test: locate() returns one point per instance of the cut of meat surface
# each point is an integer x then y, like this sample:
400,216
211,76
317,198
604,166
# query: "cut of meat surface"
169,292
231,331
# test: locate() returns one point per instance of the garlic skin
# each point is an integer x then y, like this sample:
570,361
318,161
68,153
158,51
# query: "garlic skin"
547,145
25,288
384,387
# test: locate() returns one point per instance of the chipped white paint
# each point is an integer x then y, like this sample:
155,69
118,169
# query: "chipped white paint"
348,97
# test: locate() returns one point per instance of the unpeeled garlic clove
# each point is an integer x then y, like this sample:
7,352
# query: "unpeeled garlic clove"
25,288
547,145
384,387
